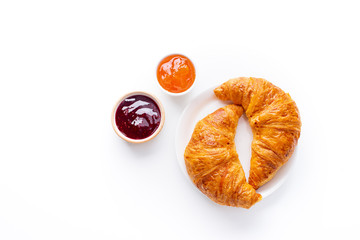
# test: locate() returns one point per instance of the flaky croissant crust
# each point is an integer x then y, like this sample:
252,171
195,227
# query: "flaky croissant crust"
274,119
212,162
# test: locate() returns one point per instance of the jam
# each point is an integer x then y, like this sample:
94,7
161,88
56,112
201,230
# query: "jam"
176,73
138,117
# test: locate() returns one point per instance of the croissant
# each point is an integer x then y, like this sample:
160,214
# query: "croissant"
212,162
274,119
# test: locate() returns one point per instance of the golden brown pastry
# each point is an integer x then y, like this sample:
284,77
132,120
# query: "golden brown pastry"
212,162
274,119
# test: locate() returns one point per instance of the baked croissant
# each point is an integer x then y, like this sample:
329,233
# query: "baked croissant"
212,162
274,119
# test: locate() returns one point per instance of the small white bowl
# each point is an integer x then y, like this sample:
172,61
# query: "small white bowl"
162,120
171,93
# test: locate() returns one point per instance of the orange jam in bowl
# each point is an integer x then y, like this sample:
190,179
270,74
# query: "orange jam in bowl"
176,73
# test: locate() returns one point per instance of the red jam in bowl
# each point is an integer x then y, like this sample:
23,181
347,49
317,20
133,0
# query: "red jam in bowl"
138,117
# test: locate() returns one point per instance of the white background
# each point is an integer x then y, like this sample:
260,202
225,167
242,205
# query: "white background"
64,173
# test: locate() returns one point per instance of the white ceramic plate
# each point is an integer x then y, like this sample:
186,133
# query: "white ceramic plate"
206,103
